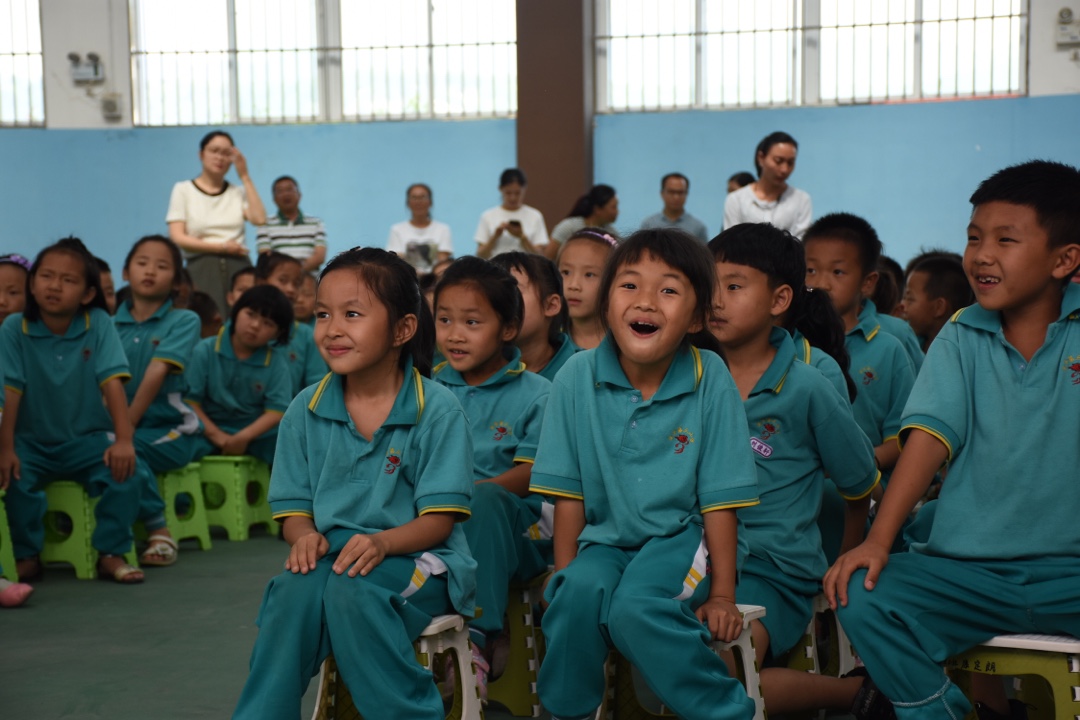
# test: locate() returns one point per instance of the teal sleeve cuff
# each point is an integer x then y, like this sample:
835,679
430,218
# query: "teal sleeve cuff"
737,497
280,509
948,437
861,490
555,485
443,502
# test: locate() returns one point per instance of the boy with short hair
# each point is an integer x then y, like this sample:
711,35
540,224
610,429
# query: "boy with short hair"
241,281
936,288
1001,555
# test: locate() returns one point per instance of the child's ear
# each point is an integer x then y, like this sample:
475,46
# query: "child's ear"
869,284
1068,258
941,308
124,275
781,300
90,294
405,329
509,332
552,305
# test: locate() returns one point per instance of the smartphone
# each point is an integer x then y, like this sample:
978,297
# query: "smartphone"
514,224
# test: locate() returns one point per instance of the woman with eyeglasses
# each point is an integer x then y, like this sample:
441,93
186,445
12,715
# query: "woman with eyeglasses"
206,216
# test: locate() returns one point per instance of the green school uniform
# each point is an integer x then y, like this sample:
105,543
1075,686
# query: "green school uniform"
566,350
899,329
883,374
823,361
306,366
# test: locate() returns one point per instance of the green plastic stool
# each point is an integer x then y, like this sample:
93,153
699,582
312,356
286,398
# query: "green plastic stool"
515,689
235,489
74,547
7,553
193,523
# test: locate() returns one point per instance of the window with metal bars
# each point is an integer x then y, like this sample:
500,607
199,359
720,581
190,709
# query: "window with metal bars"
262,61
22,93
672,54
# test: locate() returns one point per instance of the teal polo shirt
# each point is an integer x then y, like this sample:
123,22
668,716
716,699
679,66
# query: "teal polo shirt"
419,461
800,431
566,350
60,376
306,366
1011,427
645,468
883,375
899,329
822,361
169,335
233,392
504,412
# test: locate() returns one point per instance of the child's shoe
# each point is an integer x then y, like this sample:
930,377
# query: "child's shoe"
870,703
13,594
1017,711
482,668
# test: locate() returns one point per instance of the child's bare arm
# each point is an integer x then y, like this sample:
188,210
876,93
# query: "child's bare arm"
516,479
855,514
9,461
211,431
569,522
308,544
886,454
719,612
364,552
120,456
922,456
238,443
153,379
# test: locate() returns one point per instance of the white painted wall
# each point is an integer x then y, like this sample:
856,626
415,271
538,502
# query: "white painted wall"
1051,71
83,26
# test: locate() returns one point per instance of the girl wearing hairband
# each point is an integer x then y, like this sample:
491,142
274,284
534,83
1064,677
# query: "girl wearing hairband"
14,269
581,261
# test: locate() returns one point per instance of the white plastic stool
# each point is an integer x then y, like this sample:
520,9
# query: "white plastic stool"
445,633
843,652
743,648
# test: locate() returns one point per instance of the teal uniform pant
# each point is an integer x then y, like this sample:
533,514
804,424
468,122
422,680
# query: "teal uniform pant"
79,460
365,621
161,453
498,536
925,609
630,600
788,602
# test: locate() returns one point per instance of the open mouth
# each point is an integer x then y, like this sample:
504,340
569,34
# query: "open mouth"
644,328
987,280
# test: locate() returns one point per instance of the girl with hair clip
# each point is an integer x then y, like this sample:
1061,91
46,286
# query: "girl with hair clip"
371,480
545,347
645,452
598,208
478,313
157,340
306,366
65,411
237,383
801,431
581,262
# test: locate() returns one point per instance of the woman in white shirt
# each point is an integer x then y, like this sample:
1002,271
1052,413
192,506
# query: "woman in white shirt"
206,216
420,241
512,225
769,198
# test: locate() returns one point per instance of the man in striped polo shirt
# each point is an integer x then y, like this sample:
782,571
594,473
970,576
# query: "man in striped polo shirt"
291,231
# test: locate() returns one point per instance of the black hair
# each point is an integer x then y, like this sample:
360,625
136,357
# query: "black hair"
945,278
283,178
249,270
267,263
679,176
925,254
598,196
742,178
543,275
393,283
427,282
74,247
271,303
123,295
1051,189
204,306
766,144
679,250
497,285
431,195
852,229
102,266
600,236
184,277
510,176
890,284
780,256
174,254
213,134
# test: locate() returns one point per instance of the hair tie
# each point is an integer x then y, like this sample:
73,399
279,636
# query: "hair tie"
16,259
599,236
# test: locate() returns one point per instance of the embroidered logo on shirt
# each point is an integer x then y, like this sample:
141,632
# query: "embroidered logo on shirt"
868,375
1072,365
292,357
393,462
760,447
258,387
768,427
501,430
155,341
86,354
681,437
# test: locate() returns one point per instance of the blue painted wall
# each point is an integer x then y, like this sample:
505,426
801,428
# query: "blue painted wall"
909,169
110,187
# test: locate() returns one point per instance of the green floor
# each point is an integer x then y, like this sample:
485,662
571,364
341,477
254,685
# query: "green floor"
176,646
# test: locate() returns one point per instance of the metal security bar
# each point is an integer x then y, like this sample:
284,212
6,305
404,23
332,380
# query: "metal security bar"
22,94
263,61
673,54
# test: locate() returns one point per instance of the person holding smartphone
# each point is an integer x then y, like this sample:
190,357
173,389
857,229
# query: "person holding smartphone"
512,225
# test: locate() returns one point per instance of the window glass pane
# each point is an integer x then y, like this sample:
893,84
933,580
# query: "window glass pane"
22,98
277,60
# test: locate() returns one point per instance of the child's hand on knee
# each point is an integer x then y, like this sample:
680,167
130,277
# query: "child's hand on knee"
10,468
305,552
120,459
363,552
722,617
868,555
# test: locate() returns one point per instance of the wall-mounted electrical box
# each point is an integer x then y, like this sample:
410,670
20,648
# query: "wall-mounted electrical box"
86,72
1068,28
